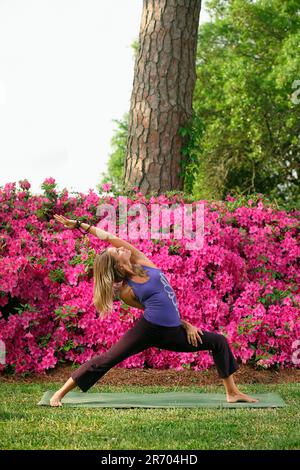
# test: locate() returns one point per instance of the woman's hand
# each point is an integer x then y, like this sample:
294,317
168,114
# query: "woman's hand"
66,222
2,244
193,334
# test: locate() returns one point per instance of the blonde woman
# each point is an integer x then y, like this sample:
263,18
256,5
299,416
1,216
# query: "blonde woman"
144,286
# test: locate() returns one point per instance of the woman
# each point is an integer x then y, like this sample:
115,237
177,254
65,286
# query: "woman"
144,286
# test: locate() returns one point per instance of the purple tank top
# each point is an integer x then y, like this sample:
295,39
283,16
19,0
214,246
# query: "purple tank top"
158,297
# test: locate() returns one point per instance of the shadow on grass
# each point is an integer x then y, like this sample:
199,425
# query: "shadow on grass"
5,416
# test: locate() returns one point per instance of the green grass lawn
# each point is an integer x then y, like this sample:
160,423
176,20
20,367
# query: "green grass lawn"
24,425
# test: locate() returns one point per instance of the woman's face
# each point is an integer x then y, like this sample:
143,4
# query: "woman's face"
121,254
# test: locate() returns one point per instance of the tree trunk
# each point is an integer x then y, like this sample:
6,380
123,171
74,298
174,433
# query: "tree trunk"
161,100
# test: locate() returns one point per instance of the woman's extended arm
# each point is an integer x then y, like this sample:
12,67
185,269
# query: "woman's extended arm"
117,242
103,235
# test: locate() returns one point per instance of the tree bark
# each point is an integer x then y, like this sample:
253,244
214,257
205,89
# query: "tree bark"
161,100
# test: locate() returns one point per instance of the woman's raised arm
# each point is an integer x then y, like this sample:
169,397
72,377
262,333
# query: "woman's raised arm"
103,235
119,242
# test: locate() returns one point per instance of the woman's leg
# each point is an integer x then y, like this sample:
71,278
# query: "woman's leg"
136,339
175,339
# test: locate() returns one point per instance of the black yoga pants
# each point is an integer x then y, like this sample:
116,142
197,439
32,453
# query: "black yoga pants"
144,335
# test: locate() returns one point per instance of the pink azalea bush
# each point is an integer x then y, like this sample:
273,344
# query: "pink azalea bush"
243,283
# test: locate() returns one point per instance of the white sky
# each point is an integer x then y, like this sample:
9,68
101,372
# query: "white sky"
66,71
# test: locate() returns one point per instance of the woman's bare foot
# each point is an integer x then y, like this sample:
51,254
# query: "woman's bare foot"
239,396
55,400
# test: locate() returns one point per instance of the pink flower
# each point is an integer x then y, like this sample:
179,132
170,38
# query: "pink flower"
24,184
49,181
106,187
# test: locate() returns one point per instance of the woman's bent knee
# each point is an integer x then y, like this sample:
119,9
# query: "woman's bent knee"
221,340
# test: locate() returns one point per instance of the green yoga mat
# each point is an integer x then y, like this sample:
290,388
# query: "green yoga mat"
161,400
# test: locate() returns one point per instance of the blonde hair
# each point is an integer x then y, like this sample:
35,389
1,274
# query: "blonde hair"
106,272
